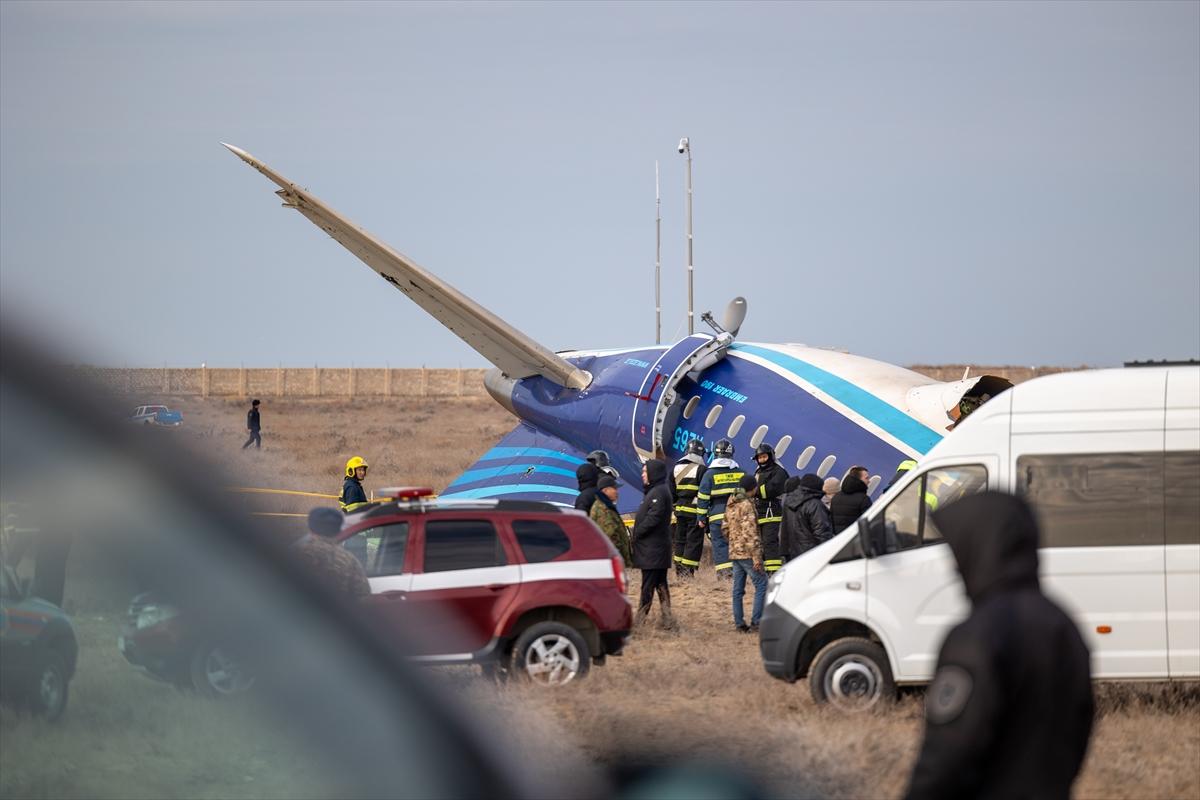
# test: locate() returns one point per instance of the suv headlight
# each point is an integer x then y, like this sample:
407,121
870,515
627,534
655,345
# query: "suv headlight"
153,615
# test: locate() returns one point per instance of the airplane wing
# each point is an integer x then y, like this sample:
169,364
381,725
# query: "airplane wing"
529,464
517,355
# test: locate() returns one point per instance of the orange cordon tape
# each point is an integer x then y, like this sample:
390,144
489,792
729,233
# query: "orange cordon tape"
250,490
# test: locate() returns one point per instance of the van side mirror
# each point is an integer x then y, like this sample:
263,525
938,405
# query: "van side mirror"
871,536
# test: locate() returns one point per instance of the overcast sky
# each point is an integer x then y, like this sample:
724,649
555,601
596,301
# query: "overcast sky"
1014,183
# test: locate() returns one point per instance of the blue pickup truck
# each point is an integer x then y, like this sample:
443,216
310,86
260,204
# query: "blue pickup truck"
156,415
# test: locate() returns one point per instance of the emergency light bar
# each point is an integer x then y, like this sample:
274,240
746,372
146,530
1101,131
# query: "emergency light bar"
406,492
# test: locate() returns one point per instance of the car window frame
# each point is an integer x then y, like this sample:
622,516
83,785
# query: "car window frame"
500,523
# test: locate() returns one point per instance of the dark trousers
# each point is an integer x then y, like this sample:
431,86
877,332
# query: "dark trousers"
688,543
255,439
654,581
772,553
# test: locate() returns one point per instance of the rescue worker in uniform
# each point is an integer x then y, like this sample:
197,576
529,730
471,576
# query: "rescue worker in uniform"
353,497
1009,712
721,480
687,535
771,479
905,466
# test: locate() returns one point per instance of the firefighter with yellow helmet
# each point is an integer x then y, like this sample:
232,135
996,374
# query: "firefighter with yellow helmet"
353,497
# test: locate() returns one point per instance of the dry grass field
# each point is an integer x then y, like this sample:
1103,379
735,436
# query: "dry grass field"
694,695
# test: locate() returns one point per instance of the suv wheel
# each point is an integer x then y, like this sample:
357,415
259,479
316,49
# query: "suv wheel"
49,690
851,675
219,671
551,654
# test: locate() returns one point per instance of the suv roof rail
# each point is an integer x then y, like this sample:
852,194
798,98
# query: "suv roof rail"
387,506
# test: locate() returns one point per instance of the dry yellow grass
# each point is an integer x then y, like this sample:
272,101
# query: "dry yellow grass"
695,694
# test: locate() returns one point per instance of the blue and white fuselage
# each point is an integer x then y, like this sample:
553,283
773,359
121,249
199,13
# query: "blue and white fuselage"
823,411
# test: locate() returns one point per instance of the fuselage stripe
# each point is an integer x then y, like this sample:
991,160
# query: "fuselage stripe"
887,417
515,488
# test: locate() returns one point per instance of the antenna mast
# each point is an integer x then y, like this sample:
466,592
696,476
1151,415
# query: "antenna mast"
686,147
657,259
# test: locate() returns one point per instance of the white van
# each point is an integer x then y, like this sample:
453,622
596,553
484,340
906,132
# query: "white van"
1109,459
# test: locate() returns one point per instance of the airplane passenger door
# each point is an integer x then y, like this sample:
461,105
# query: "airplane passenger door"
657,393
914,592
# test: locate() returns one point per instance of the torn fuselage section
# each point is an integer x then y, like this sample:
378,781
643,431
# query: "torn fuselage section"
942,406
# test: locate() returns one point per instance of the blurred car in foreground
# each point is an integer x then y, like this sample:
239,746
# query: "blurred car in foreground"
523,586
38,650
157,639
161,416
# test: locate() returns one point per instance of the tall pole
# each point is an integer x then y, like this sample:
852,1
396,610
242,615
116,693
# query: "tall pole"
686,147
657,259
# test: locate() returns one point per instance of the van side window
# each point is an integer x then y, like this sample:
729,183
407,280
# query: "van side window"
907,521
1095,499
1182,486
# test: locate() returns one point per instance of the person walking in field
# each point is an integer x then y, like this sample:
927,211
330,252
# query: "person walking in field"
746,552
604,514
353,496
651,540
253,427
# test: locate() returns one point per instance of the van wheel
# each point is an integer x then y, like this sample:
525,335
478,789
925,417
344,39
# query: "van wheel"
852,675
551,654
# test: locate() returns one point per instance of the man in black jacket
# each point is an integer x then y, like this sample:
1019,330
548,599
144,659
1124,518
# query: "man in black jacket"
587,475
770,479
849,504
651,540
805,518
1010,709
253,427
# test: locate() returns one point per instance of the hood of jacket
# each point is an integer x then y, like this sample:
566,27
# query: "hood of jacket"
853,485
587,475
994,538
691,458
723,463
808,487
656,472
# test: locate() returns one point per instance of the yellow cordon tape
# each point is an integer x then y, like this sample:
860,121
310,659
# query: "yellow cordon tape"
274,514
250,490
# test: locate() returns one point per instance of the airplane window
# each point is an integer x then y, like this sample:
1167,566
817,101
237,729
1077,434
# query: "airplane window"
806,457
826,465
873,484
690,408
782,445
712,417
758,436
736,425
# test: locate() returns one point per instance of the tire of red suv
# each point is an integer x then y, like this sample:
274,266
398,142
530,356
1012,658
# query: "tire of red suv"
551,654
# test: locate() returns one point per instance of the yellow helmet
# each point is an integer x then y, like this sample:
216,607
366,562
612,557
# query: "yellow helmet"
355,463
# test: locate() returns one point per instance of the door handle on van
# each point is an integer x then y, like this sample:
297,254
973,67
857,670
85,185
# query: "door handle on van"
854,586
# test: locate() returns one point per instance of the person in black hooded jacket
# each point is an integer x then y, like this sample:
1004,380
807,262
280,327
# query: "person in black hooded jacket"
1010,709
651,540
805,518
849,504
587,475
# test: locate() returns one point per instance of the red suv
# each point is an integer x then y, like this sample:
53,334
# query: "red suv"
512,585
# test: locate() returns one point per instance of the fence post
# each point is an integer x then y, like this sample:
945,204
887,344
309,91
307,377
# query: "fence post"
462,380
279,381
242,381
351,379
204,380
424,382
387,381
316,382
